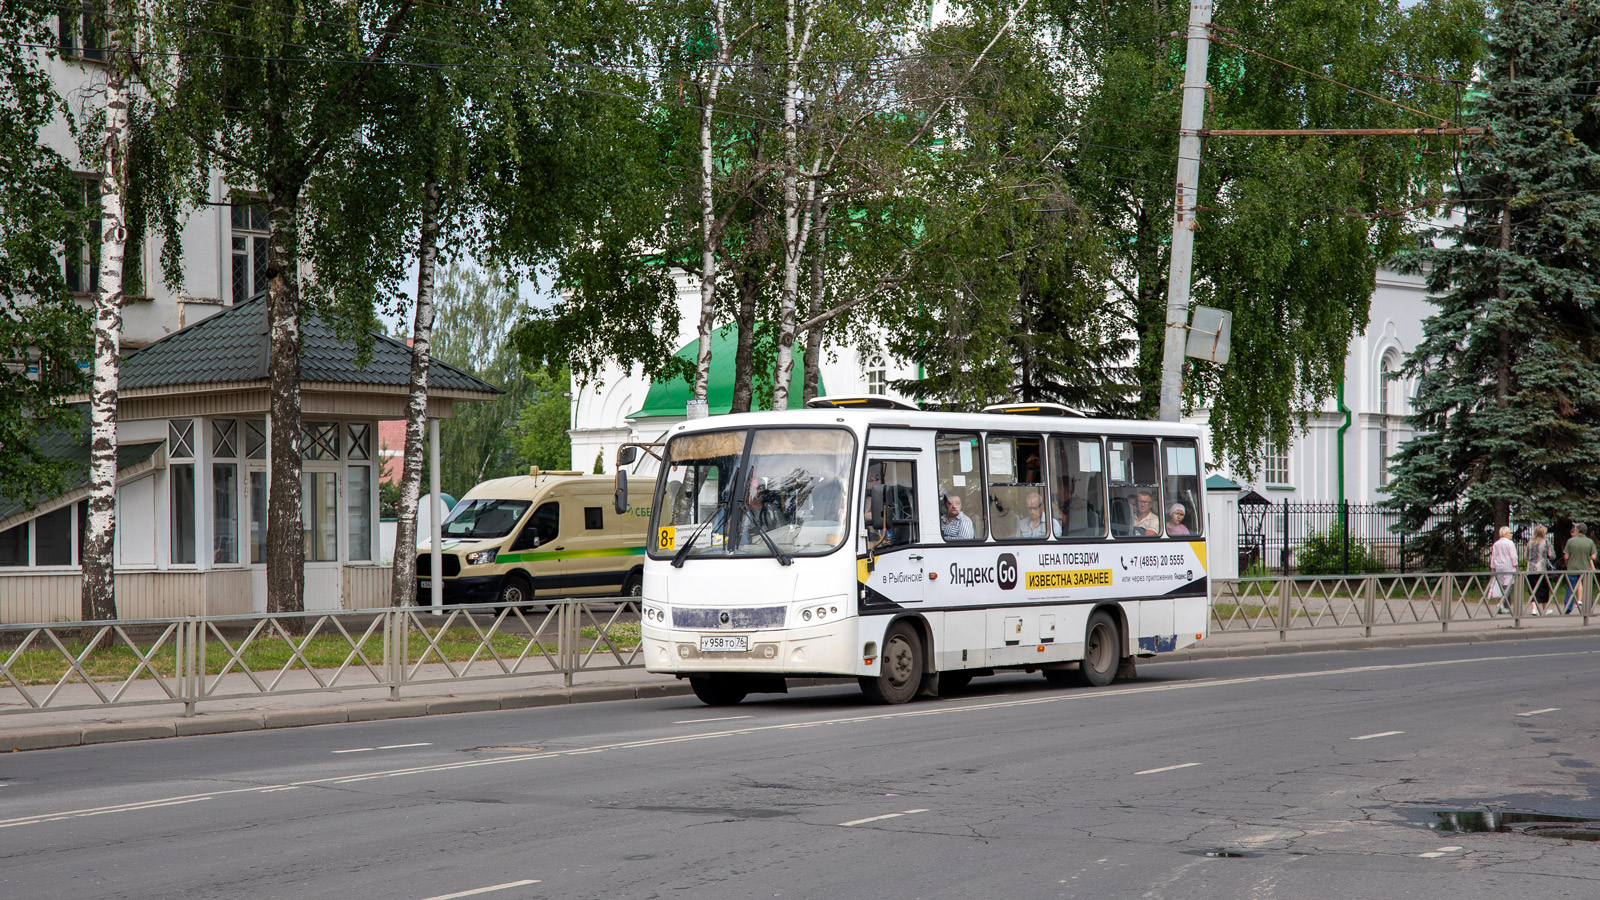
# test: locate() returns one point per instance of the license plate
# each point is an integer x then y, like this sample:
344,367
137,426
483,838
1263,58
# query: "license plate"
724,643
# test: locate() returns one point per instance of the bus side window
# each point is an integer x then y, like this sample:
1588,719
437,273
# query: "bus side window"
1077,485
1135,490
957,466
1182,509
890,503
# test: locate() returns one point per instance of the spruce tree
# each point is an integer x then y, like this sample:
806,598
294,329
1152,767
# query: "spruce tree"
1507,410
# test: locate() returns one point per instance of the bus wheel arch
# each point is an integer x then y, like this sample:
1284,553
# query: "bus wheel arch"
902,662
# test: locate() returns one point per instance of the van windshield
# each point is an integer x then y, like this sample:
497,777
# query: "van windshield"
474,520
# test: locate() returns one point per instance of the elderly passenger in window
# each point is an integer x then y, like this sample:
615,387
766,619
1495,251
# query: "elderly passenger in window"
1145,520
1033,525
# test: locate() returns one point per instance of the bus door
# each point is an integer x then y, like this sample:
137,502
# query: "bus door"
890,538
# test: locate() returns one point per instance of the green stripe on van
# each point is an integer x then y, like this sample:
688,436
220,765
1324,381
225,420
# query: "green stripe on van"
548,555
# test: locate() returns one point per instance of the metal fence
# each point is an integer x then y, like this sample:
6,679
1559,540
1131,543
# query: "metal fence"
1282,538
1365,602
77,665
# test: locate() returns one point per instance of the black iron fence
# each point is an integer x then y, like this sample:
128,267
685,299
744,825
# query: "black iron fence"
1323,539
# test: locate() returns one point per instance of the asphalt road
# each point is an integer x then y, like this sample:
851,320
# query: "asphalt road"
1321,770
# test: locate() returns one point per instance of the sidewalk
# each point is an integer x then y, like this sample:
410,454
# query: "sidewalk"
43,730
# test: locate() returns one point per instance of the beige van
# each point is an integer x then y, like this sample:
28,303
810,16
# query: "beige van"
540,535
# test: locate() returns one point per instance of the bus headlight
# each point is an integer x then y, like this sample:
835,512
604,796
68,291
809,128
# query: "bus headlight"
482,557
806,615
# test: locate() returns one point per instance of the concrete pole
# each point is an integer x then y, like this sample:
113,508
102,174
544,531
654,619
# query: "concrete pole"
435,515
1183,219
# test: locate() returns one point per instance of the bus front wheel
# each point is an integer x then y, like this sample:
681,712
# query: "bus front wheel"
900,668
717,691
1102,651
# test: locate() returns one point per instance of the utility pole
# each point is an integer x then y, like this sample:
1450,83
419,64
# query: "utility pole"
1183,217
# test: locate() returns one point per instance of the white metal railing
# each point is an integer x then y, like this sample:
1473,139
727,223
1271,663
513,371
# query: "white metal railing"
134,662
1311,602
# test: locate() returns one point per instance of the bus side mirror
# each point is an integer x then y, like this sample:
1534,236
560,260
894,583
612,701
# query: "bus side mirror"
626,455
621,502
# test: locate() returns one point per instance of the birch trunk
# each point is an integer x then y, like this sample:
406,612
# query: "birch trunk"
748,284
819,218
708,208
794,236
286,552
405,537
98,553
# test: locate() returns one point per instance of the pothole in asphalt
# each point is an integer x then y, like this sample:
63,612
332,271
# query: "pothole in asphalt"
1567,828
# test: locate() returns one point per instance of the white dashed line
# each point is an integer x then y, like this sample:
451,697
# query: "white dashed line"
1539,712
1166,768
909,812
1448,849
404,746
1368,737
718,719
357,750
484,890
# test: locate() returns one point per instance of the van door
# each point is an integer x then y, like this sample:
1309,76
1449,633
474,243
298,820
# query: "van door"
534,549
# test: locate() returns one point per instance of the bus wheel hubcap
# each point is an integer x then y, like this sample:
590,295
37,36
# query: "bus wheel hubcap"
899,661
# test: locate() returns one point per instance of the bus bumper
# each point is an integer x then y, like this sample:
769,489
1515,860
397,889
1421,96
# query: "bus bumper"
799,651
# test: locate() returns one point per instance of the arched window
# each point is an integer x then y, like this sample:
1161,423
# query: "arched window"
1389,397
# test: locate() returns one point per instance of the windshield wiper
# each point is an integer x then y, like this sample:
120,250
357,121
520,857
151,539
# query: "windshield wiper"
771,545
683,552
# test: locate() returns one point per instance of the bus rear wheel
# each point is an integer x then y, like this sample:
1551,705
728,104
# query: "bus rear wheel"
718,691
900,668
1102,651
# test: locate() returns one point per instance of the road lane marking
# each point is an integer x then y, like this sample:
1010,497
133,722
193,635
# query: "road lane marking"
484,890
1166,768
1448,849
1368,737
909,812
404,746
357,750
127,807
718,719
931,710
1539,712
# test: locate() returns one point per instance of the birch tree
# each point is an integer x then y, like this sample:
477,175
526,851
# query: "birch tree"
97,554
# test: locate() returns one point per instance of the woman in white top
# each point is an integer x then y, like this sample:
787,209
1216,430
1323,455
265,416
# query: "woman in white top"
1503,562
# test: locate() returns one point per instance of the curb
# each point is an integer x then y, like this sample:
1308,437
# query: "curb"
379,710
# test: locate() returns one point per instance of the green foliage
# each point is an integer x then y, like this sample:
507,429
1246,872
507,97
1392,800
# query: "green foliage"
541,430
1291,229
1324,553
1507,407
600,463
44,333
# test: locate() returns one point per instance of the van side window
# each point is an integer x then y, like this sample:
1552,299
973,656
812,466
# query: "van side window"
593,518
542,528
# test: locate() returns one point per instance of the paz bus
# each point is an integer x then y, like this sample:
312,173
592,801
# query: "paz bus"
916,550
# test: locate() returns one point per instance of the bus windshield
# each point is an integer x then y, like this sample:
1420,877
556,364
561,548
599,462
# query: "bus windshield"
743,493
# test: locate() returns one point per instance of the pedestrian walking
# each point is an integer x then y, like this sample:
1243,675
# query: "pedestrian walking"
1579,563
1503,562
1541,558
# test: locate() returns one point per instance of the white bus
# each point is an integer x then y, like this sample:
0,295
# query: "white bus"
915,550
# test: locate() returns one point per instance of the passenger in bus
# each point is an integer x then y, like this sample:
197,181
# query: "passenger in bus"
1175,519
955,525
1033,525
1145,520
1031,471
1072,510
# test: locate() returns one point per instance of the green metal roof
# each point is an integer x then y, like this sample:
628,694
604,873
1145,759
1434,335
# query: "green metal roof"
1219,483
667,398
73,445
232,346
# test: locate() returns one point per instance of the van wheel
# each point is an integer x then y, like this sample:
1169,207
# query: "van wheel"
717,691
900,669
633,586
515,590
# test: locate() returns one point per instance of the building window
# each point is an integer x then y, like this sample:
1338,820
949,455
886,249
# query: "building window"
255,439
224,438
52,538
360,441
1388,401
319,515
81,254
224,513
321,440
250,231
360,511
877,377
180,439
181,480
82,30
258,516
14,546
1276,469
